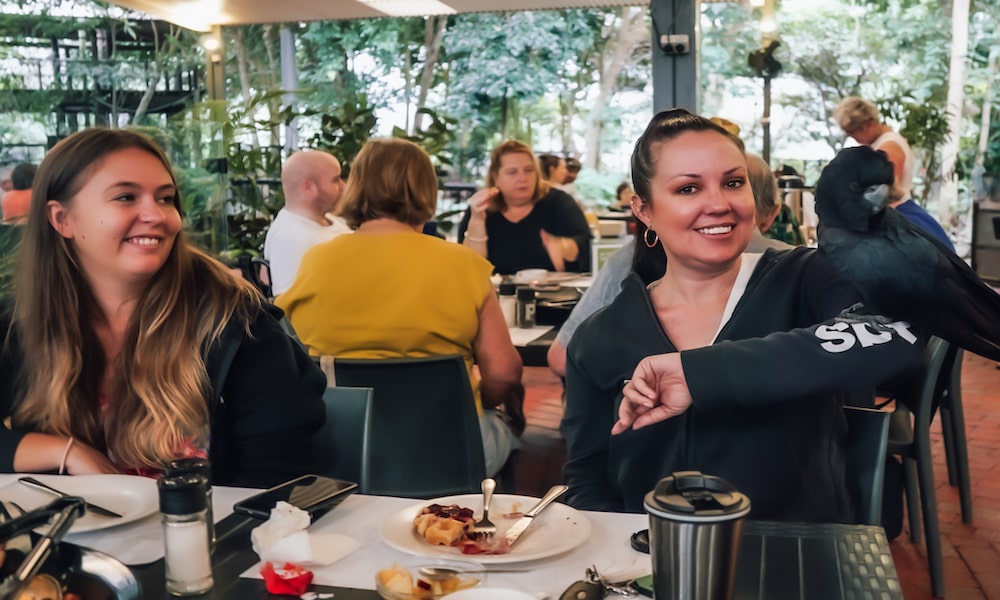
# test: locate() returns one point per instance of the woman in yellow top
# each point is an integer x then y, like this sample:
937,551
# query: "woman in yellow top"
391,291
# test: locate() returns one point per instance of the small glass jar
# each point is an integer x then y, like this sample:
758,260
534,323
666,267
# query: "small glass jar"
197,466
185,534
525,307
508,302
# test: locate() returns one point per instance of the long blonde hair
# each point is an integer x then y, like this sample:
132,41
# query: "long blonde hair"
160,384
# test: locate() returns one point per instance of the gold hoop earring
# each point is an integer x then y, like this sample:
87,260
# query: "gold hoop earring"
645,238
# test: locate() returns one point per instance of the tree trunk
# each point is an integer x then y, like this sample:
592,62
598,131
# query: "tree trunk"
984,121
272,46
434,29
243,70
630,32
151,81
947,201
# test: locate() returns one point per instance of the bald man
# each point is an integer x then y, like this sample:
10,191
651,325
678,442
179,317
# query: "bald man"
312,185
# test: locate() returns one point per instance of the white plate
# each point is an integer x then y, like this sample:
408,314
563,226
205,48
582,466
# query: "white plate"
558,529
131,496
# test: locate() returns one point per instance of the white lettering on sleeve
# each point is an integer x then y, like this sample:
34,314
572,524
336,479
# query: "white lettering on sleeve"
837,340
903,330
867,337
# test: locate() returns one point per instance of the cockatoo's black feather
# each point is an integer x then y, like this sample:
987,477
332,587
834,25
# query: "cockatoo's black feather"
899,270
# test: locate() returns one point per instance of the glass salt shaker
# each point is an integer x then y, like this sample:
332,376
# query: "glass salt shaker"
508,302
185,534
197,466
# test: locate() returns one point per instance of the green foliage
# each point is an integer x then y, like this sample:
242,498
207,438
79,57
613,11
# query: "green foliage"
344,132
435,138
10,241
598,187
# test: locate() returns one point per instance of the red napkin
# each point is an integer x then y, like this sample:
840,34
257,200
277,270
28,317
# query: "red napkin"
291,579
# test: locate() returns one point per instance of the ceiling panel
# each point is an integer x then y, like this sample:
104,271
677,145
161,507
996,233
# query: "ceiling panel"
200,15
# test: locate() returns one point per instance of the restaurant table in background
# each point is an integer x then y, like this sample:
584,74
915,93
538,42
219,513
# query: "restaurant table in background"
552,310
777,560
533,344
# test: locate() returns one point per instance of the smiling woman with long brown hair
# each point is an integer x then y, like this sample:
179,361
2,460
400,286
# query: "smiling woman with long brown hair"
128,347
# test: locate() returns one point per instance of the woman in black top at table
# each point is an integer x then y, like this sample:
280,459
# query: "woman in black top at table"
731,363
128,347
520,222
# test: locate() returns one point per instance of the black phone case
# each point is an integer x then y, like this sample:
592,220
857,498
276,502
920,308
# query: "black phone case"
312,493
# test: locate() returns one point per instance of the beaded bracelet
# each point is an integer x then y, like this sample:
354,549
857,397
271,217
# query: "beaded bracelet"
473,238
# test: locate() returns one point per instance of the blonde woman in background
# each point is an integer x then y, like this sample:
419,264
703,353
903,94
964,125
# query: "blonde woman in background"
128,348
860,119
519,221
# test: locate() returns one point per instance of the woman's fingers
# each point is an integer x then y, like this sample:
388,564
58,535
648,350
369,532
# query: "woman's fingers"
643,390
553,247
636,401
654,415
656,392
480,201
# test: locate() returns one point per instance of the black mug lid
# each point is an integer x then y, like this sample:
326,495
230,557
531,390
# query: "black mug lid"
690,495
507,288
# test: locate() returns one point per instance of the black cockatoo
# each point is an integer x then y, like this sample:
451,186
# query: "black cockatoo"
899,270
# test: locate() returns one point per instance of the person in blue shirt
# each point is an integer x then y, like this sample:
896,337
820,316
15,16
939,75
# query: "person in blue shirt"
916,214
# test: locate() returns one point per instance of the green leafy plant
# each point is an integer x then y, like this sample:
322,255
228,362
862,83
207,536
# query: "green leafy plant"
344,131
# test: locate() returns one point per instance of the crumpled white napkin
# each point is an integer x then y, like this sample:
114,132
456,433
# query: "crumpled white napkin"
283,538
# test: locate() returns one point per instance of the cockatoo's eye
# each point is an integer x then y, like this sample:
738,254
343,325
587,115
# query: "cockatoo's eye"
872,188
854,187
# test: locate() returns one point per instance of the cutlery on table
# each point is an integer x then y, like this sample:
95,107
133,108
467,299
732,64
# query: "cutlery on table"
518,528
97,510
484,527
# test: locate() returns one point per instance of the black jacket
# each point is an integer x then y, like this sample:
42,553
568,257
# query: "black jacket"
265,405
767,395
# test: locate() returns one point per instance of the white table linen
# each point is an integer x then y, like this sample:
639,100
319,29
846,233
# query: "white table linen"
141,541
523,336
360,517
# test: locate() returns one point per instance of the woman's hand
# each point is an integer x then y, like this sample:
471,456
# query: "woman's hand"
560,249
480,202
656,392
84,460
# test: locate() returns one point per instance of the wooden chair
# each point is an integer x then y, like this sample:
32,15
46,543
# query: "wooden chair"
424,439
342,446
866,448
909,437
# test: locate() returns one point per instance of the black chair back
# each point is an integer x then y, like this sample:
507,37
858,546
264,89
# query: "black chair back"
424,439
910,439
341,447
865,446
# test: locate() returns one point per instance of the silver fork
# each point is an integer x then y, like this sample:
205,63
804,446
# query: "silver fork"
484,527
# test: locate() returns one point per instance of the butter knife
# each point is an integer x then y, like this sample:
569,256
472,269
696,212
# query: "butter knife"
518,528
97,510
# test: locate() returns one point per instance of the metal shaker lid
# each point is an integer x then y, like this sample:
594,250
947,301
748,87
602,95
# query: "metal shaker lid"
694,497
